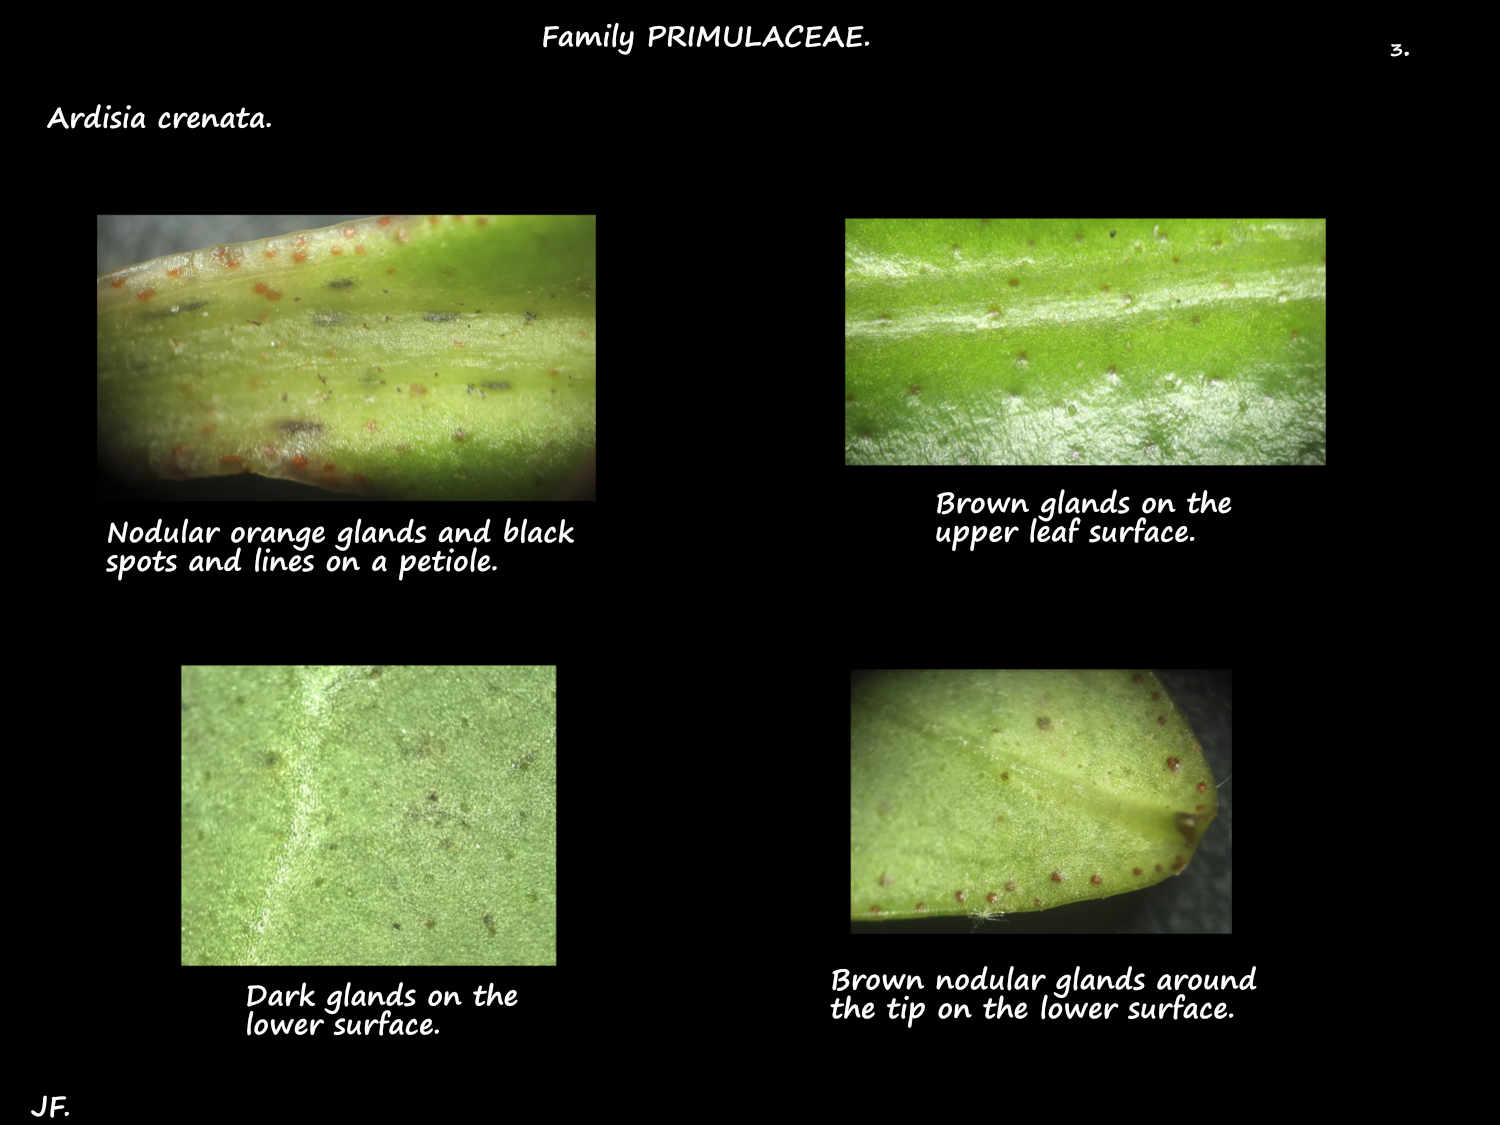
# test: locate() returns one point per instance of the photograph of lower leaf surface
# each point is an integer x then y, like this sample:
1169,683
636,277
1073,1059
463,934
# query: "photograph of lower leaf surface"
1041,801
1085,342
369,815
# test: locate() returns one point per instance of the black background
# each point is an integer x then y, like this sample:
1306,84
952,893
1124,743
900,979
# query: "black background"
732,570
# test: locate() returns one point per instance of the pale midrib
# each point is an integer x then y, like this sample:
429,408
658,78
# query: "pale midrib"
1293,283
315,684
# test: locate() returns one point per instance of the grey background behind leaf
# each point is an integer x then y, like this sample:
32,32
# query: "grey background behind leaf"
124,240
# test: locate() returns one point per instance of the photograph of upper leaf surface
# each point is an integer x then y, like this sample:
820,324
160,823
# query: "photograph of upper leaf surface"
1085,342
393,357
370,815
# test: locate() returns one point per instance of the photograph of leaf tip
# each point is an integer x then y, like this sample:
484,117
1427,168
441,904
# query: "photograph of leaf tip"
369,815
418,357
1085,342
1040,801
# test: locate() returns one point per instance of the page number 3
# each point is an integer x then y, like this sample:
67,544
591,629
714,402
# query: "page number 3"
1398,51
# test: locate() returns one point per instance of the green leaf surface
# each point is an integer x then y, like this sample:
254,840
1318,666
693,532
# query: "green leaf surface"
1037,787
1095,342
424,357
368,816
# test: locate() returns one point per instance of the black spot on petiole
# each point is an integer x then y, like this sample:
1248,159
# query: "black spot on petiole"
173,310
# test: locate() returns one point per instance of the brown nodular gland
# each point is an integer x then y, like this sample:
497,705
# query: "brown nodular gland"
1187,824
